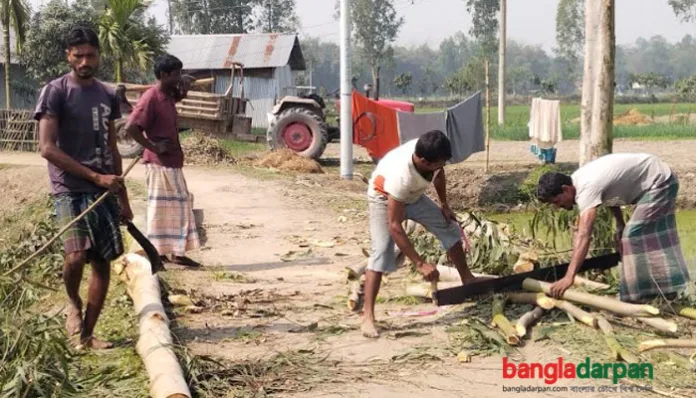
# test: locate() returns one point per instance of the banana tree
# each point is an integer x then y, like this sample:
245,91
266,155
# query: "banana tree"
14,15
119,36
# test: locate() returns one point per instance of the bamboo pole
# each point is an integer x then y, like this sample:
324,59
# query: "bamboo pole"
502,323
686,312
539,299
591,285
659,324
666,343
527,320
599,302
155,341
618,352
577,313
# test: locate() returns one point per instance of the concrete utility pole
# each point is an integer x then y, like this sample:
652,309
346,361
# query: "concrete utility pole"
346,98
501,62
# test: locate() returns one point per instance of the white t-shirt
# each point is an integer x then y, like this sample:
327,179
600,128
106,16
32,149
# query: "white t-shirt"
396,175
617,179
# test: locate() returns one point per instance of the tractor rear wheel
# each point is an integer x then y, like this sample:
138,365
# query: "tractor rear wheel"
300,129
127,146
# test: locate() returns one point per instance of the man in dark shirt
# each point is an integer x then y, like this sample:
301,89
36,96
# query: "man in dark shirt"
171,225
76,114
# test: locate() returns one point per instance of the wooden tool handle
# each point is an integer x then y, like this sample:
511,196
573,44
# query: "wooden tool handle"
71,223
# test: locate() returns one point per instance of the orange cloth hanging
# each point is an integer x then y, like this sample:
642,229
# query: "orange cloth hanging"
374,126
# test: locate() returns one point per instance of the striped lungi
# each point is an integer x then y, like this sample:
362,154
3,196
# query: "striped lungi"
171,226
653,264
98,231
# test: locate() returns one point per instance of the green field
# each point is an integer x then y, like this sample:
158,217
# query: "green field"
517,116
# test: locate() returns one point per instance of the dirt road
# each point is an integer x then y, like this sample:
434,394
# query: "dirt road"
273,283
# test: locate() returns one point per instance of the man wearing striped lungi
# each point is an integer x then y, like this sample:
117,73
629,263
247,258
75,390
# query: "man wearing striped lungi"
76,114
170,222
652,263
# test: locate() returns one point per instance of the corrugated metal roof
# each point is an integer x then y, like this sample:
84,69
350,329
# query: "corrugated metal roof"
252,50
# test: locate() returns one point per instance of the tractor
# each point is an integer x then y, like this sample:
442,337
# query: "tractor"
299,122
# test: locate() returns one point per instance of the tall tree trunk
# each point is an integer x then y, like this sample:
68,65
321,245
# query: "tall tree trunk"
598,80
375,81
119,69
6,56
501,62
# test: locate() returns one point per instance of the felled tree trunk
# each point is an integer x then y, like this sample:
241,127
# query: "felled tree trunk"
599,302
618,352
527,320
155,342
502,323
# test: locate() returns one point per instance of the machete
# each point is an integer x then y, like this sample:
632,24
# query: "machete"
460,294
150,250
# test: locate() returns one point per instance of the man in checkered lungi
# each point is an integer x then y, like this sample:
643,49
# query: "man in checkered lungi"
76,114
652,260
171,225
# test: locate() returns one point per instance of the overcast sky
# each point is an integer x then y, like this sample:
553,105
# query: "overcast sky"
529,21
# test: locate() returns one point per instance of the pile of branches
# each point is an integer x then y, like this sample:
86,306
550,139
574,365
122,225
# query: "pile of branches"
496,249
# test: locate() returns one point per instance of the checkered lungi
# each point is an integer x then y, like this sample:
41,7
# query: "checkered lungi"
171,226
653,263
98,231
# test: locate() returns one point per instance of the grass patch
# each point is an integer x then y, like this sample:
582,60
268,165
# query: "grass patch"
517,117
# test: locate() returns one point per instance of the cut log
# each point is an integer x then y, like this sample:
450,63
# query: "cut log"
155,342
522,265
659,324
354,272
425,289
502,323
618,352
590,285
355,295
599,302
577,313
450,274
686,312
528,319
667,343
539,299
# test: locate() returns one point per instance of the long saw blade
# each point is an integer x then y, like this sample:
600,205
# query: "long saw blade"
460,294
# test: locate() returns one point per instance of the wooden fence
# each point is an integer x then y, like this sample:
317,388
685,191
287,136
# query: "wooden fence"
18,130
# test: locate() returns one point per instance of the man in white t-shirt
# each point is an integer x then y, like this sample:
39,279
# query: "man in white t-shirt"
396,193
652,261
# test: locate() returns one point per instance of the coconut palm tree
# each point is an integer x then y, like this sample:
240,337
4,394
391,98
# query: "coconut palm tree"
119,37
14,14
